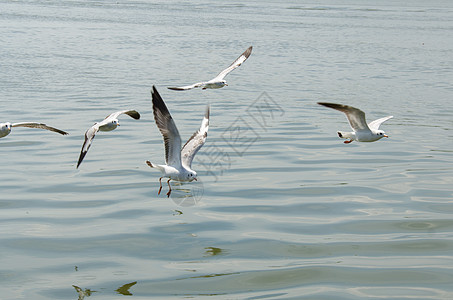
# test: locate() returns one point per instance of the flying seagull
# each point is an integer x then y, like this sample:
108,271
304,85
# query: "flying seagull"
362,132
219,81
108,124
178,162
5,128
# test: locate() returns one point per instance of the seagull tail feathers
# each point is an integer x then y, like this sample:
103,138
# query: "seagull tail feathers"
150,164
344,135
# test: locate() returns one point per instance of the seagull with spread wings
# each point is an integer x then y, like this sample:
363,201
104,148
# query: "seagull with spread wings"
5,128
218,81
362,132
178,161
108,124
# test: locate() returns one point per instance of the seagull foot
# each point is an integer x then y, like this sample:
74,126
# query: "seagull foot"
348,142
169,188
160,188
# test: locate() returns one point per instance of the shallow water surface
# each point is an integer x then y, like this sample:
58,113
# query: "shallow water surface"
283,209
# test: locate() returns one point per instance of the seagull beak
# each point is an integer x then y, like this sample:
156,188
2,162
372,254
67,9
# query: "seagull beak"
195,179
386,136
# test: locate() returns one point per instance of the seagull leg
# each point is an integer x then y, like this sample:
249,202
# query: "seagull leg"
160,182
347,141
169,188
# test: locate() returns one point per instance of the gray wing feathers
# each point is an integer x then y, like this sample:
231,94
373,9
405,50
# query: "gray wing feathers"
89,136
355,116
167,127
195,142
39,125
131,113
187,87
243,57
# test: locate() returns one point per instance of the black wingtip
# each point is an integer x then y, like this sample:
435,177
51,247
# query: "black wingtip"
55,129
154,93
133,114
60,131
158,102
208,109
81,157
331,105
248,52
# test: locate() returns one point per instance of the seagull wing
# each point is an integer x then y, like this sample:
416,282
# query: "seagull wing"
131,113
195,142
243,57
187,87
38,125
167,127
376,123
355,116
89,136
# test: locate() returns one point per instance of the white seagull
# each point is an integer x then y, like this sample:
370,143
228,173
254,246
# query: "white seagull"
219,81
178,162
5,128
108,124
362,132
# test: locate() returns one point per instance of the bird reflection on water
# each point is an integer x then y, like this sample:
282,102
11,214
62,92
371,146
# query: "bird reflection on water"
186,195
123,290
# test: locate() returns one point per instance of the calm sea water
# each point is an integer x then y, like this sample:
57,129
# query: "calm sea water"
284,209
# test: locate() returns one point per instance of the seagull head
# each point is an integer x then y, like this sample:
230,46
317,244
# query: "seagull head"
381,134
5,129
5,126
191,176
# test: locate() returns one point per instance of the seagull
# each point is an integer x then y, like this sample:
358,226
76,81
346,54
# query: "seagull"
219,81
362,132
108,124
5,128
178,162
